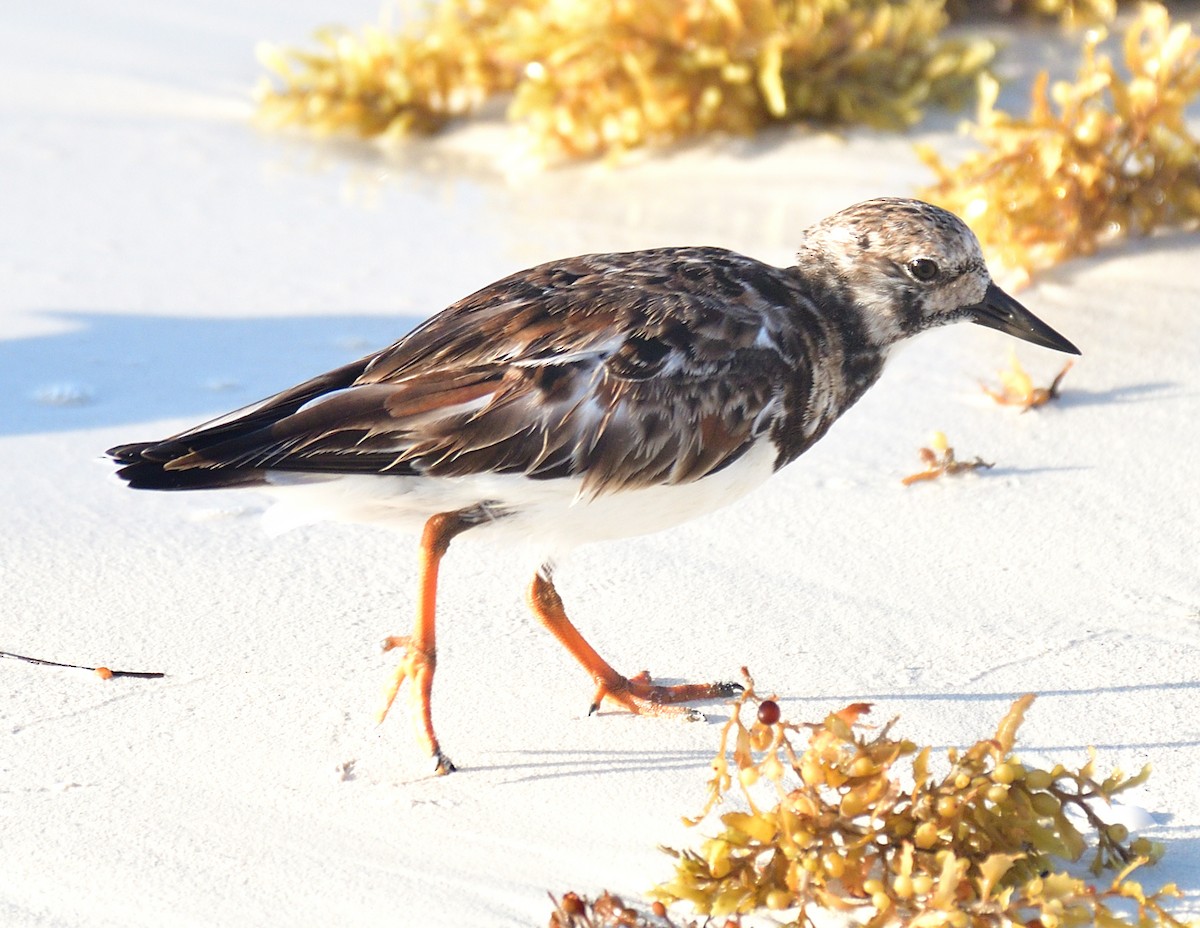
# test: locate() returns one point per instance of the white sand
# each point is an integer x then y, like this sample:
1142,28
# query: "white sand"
161,261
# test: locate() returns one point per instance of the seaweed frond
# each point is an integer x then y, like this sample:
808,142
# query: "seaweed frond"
1103,156
591,79
857,822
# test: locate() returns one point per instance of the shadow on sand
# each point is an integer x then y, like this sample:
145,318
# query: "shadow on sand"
103,369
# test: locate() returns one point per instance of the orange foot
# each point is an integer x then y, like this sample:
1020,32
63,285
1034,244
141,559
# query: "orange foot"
416,666
637,694
642,697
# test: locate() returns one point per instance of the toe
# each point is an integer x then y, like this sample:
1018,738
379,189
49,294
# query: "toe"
442,765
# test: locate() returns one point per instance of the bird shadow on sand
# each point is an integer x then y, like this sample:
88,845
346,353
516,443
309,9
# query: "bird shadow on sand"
1003,699
541,765
101,369
1192,686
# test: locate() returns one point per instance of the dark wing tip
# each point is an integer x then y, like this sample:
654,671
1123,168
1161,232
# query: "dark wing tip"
127,454
144,468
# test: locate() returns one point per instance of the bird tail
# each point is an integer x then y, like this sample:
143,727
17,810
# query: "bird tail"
146,466
191,459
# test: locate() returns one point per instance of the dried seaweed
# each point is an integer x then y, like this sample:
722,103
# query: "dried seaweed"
940,460
382,82
589,79
656,71
1103,156
571,910
1017,389
861,824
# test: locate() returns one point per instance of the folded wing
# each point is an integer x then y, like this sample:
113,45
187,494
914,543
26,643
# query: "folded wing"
619,370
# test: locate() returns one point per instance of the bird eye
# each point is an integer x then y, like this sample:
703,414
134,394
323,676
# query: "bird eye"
923,269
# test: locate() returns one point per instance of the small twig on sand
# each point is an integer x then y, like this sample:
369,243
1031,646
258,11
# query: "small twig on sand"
99,671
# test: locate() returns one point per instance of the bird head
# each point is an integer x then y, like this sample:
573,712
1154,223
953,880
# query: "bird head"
909,266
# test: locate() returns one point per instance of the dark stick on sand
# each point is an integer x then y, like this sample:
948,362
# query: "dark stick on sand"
140,675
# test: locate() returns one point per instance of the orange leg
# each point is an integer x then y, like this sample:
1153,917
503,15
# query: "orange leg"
637,694
420,648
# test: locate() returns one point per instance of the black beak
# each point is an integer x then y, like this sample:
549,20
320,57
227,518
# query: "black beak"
998,310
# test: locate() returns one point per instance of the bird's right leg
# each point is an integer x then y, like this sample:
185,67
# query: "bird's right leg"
638,694
420,648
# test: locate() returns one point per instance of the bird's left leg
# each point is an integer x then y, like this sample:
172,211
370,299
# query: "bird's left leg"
420,648
637,694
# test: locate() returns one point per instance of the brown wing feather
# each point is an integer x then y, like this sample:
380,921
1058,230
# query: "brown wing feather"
627,370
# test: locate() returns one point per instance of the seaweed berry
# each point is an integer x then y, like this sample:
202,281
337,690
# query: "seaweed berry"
768,712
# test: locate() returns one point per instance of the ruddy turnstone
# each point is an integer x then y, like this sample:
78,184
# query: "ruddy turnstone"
597,397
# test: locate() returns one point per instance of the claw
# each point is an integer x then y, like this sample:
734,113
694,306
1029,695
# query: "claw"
639,695
442,764
416,665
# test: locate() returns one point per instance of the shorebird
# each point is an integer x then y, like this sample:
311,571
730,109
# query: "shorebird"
596,397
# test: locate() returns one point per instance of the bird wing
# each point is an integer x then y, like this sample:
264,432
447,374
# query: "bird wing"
622,370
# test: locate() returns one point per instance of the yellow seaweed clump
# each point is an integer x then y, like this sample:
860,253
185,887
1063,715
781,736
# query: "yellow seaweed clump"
858,822
395,83
1103,156
620,75
590,79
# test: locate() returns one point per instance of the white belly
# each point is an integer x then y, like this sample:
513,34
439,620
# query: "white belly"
550,514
